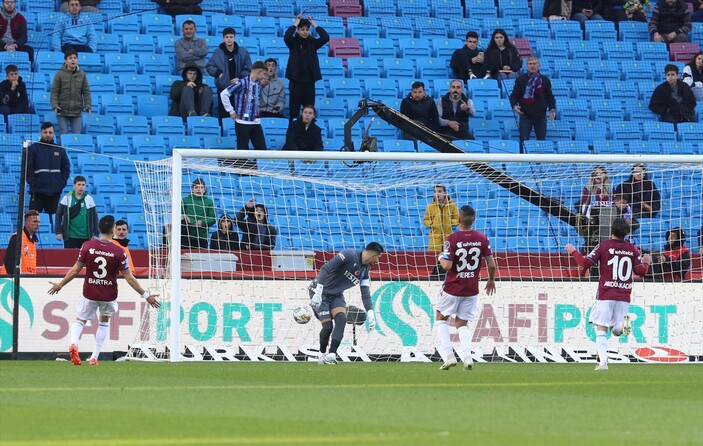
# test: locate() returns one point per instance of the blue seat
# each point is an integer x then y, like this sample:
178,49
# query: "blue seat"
482,89
659,131
615,50
625,130
381,129
411,47
135,84
113,144
123,24
535,146
443,47
379,8
621,90
601,30
690,131
101,83
584,49
132,125
275,131
638,70
138,43
278,8
23,124
203,125
499,109
108,43
573,147
18,58
559,130
589,89
480,9
116,104
90,163
221,21
78,141
152,105
97,124
259,26
167,125
446,9
378,88
117,63
432,67
164,44
363,67
570,69
361,31
608,110
535,31
331,67
566,30
124,203
155,64
143,144
607,146
398,68
397,145
503,146
157,24
245,7
184,142
633,31
652,50
332,108
220,142
48,61
346,88
486,130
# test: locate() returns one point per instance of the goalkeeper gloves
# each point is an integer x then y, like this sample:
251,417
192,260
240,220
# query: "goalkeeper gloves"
371,319
316,300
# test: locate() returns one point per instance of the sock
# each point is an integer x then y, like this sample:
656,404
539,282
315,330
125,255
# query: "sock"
325,336
445,342
76,331
465,339
602,344
100,337
340,323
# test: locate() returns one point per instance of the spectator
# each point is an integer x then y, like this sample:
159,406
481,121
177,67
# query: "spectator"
613,10
13,29
531,97
303,68
28,259
441,216
77,217
70,94
225,238
273,92
13,94
454,109
303,134
86,6
620,202
596,194
178,7
245,112
468,61
198,214
48,169
673,100
420,108
74,31
257,233
641,193
634,10
674,263
693,75
584,10
190,49
556,10
228,64
502,57
670,22
697,15
191,97
119,238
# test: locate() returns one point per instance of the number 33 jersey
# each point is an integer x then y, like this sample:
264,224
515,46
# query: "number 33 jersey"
102,260
465,249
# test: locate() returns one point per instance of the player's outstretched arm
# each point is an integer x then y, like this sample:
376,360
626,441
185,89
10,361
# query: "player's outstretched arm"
70,275
134,283
492,268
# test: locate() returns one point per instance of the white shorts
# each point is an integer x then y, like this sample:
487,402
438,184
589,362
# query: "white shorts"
86,308
462,307
608,313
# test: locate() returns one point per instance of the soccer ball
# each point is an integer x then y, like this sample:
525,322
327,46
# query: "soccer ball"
302,315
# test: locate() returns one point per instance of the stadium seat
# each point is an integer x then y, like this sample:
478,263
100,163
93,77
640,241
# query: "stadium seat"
584,49
486,130
48,61
362,31
690,131
378,47
116,104
590,130
573,147
358,67
138,43
608,110
588,89
157,24
344,47
659,131
398,68
534,30
503,146
132,125
113,144
600,30
275,131
245,7
143,144
155,64
480,9
18,58
23,124
220,142
109,183
559,130
633,31
259,26
135,84
222,21
397,145
432,67
625,130
124,203
570,69
379,88
566,30
346,88
443,47
116,63
184,142
499,109
683,51
534,146
167,125
124,24
345,8
108,43
380,129
331,67
101,83
152,105
203,126
90,163
414,48
332,108
97,124
615,50
78,141
651,50
605,146
333,25
637,71
164,44
278,8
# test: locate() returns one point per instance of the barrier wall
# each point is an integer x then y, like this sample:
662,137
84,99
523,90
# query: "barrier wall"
524,321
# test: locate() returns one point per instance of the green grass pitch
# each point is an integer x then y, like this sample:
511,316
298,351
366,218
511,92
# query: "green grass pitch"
128,403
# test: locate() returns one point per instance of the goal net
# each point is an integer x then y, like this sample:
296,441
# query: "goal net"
236,302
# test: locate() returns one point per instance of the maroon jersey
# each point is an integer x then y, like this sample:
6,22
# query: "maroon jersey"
465,249
618,260
102,260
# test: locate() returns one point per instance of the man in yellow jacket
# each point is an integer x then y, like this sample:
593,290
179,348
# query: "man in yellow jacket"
28,262
441,216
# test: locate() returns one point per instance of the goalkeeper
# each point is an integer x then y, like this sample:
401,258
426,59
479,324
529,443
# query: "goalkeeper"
348,268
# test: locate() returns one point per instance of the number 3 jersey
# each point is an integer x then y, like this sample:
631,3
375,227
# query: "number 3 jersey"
617,261
465,249
102,260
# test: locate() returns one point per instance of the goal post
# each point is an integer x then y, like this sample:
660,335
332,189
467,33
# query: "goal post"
238,305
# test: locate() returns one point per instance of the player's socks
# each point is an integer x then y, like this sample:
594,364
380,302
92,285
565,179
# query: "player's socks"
100,336
626,326
76,331
325,336
602,345
340,323
445,341
335,345
465,339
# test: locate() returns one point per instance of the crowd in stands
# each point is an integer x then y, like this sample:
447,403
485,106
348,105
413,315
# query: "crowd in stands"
247,90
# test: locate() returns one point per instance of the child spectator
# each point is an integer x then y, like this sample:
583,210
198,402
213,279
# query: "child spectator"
673,264
13,93
303,134
244,110
273,92
693,75
228,64
191,97
641,193
77,216
198,214
597,193
257,233
225,238
70,94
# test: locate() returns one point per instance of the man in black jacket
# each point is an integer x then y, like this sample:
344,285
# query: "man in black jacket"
467,61
670,22
531,97
420,108
303,68
673,100
13,94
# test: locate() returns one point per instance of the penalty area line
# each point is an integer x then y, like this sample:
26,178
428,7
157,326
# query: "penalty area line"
259,387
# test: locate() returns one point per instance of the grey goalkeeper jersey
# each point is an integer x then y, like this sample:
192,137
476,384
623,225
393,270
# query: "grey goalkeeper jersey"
344,271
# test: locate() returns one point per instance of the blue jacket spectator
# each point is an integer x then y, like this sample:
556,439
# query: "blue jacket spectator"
75,30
